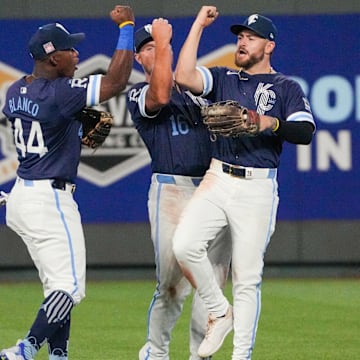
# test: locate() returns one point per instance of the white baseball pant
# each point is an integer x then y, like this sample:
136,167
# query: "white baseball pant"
49,223
168,195
248,207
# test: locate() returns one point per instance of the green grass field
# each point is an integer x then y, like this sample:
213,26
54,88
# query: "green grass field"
300,320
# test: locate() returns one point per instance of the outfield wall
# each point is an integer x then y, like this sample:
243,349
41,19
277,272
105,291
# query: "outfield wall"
319,211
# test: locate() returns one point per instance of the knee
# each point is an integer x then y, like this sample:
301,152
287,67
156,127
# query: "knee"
189,252
177,294
179,251
183,252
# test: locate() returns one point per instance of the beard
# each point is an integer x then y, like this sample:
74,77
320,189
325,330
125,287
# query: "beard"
249,62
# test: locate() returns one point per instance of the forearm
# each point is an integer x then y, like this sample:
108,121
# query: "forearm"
161,80
120,66
295,132
186,74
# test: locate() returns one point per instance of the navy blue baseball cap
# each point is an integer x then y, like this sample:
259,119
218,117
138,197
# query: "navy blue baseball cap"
261,25
142,36
50,38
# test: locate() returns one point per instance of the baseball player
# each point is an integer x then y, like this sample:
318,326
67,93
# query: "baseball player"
42,109
168,120
240,188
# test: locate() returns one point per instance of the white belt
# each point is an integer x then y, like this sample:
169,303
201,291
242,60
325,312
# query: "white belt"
244,172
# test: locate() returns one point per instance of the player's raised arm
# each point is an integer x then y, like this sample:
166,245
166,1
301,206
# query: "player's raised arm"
161,79
186,73
122,61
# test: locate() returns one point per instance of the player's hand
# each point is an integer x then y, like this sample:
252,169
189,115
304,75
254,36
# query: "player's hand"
121,14
207,15
161,31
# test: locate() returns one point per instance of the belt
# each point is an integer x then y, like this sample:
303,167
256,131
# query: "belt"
178,179
245,172
59,184
63,185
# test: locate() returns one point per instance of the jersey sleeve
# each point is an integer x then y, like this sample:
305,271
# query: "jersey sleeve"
211,76
297,105
74,94
136,102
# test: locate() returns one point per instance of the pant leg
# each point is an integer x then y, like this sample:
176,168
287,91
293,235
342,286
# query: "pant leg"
251,217
201,221
219,254
166,202
49,223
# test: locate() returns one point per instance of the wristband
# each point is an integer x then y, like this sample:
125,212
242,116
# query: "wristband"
126,23
277,125
126,36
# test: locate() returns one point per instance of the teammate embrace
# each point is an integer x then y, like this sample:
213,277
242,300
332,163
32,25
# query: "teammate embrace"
200,190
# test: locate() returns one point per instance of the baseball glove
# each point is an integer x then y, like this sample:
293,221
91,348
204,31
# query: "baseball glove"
229,118
96,126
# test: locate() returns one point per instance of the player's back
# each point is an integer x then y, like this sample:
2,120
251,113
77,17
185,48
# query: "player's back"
46,133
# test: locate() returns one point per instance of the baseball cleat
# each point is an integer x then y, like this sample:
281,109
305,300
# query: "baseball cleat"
217,329
144,353
16,352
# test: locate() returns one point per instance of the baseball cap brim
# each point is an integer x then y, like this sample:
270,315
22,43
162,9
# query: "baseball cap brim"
142,37
75,39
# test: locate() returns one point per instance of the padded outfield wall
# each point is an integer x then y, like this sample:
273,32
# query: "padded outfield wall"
318,218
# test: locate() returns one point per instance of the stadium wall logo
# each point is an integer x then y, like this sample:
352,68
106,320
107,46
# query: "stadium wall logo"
123,152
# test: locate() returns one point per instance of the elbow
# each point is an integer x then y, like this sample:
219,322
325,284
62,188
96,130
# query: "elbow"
158,98
306,140
163,100
163,97
308,134
180,77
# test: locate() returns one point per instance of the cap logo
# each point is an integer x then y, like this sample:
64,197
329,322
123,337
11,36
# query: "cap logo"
61,27
148,28
49,47
252,19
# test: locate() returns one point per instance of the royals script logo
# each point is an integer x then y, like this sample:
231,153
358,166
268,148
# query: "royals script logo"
123,152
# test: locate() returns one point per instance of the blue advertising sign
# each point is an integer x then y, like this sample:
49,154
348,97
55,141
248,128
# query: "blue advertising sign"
319,181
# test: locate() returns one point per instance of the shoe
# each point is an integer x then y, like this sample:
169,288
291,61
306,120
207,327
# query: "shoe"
16,352
200,358
144,352
217,329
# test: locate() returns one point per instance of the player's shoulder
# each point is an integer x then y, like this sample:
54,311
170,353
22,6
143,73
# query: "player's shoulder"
15,85
133,94
280,77
138,85
287,82
224,70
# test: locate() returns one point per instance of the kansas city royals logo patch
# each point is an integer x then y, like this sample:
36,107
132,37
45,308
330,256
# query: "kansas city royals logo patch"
265,98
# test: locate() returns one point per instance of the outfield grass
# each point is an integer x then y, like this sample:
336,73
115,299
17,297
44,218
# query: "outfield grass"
300,320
